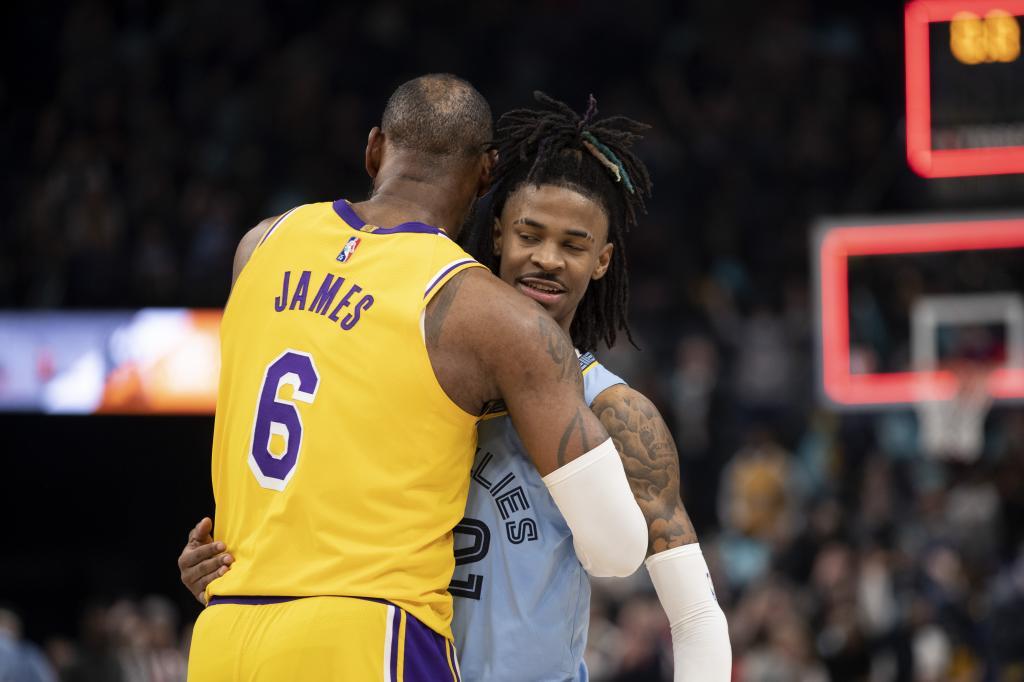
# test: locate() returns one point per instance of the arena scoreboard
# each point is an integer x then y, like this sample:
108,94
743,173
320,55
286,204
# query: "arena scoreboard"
964,81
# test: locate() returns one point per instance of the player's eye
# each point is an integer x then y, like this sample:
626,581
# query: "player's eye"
572,246
526,237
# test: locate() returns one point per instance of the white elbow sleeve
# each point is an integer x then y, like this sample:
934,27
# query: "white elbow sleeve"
609,531
700,634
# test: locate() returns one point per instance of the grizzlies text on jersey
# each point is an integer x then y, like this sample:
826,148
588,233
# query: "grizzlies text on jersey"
522,599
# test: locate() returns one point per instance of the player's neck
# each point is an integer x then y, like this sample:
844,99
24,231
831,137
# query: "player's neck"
566,323
401,198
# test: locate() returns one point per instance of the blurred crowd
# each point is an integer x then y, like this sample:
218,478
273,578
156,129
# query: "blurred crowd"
851,557
123,641
151,135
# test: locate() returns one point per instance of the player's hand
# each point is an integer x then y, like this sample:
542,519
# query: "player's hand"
202,560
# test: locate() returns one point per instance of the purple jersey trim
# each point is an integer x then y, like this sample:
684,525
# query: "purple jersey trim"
348,214
258,601
280,600
456,264
426,654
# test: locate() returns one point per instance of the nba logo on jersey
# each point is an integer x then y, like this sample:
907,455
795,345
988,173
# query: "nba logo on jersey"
349,249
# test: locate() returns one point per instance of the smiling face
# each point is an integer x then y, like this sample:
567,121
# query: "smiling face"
552,241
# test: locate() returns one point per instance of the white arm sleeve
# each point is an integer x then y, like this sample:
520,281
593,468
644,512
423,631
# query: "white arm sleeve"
700,634
608,529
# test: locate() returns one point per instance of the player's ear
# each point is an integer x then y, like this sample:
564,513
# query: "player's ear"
496,236
487,163
604,259
374,151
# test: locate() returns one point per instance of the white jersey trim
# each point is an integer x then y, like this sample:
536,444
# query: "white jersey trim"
276,223
387,644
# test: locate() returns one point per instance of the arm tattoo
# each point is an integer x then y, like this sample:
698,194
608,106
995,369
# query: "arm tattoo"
436,314
575,424
559,349
652,465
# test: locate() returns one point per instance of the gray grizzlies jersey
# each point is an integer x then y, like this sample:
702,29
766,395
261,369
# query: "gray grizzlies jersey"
522,599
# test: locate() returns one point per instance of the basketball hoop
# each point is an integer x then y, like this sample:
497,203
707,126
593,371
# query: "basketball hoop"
953,396
954,429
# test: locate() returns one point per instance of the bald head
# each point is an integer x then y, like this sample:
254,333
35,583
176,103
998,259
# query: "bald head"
438,114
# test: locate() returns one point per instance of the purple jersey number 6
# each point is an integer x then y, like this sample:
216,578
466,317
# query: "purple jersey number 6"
280,417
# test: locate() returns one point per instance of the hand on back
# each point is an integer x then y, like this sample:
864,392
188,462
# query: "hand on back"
202,560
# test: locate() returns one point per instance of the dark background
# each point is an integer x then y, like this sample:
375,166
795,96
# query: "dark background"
99,507
142,139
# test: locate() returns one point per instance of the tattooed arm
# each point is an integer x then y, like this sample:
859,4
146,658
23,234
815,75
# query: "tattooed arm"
544,398
510,348
486,342
700,634
651,461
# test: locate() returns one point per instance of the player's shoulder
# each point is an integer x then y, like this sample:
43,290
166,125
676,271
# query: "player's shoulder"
252,237
485,317
495,307
622,398
248,243
263,229
486,286
596,377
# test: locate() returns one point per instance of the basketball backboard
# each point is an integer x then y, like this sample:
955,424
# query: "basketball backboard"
890,294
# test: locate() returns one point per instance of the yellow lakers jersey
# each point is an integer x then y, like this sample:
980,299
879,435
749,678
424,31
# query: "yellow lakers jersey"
340,466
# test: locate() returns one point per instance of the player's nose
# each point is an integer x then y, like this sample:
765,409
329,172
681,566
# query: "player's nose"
547,258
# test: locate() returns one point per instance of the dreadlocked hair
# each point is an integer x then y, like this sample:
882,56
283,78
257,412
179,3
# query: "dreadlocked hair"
594,157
